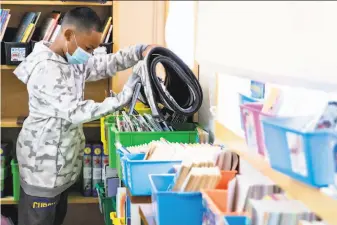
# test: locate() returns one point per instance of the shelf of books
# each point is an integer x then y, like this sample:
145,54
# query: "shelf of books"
313,198
57,2
74,198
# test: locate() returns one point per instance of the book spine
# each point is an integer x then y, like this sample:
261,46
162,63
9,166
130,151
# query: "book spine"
27,33
108,35
87,171
24,24
31,33
96,167
55,33
49,30
4,16
5,27
105,162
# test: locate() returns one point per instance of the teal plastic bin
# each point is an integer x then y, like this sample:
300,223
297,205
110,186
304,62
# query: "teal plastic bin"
106,204
16,180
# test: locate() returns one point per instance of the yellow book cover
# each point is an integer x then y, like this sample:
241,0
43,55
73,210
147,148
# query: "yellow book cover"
106,28
27,32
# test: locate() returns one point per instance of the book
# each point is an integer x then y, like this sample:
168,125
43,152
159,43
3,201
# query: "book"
108,35
55,33
96,166
27,33
49,25
26,20
55,16
44,28
31,34
30,29
3,17
5,27
57,29
106,28
87,171
257,89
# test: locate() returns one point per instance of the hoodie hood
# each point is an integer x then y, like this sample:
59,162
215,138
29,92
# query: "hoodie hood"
40,53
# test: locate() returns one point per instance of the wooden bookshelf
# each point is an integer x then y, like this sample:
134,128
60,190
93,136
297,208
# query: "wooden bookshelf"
313,198
53,2
11,123
74,198
7,67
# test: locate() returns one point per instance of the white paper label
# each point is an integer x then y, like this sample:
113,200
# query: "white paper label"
87,173
97,173
297,154
18,54
250,129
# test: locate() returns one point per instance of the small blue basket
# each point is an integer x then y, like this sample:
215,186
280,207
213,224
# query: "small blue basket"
244,99
137,172
123,158
173,208
236,220
305,156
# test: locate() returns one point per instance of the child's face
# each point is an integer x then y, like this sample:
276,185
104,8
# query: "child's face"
88,41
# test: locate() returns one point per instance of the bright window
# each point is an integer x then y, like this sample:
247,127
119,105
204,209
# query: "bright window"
179,32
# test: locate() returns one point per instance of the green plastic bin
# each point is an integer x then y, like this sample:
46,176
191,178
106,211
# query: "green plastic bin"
16,180
3,177
137,138
106,204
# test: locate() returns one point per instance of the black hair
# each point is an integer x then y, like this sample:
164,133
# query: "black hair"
83,18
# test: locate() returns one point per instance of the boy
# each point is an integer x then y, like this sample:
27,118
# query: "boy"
50,144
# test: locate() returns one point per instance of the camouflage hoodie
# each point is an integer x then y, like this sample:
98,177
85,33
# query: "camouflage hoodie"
50,144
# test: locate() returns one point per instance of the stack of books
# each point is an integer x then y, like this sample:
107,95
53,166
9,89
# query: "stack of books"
4,19
27,27
51,27
49,30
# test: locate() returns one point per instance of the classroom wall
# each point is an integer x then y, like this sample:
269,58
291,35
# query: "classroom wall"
284,42
208,84
138,22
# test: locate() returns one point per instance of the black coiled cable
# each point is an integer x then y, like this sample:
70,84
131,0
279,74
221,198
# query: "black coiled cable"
182,94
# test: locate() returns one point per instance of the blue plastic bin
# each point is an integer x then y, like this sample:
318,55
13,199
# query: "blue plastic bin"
173,208
305,156
123,158
137,172
244,99
237,220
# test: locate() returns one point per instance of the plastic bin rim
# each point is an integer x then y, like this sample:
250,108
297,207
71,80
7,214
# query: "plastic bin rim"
151,161
251,98
267,120
113,129
184,194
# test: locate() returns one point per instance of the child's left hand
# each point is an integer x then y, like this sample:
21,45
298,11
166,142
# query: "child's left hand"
148,49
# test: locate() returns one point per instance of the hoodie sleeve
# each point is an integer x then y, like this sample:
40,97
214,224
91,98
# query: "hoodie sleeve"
53,93
103,66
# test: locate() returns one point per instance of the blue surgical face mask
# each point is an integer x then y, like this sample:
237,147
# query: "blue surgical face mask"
79,56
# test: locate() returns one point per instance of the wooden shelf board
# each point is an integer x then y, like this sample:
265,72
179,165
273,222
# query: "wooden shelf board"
316,201
11,123
147,214
74,198
70,3
7,67
138,199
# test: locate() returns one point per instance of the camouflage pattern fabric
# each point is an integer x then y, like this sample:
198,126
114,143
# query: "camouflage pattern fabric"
51,142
